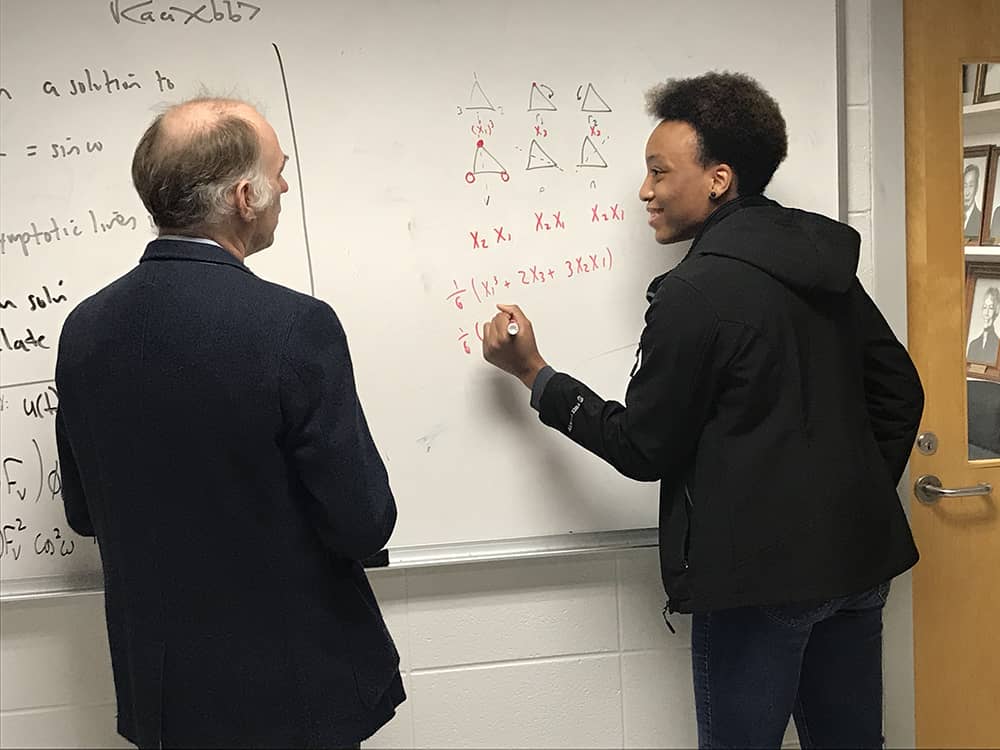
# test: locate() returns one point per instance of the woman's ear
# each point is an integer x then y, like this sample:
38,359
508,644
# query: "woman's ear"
723,181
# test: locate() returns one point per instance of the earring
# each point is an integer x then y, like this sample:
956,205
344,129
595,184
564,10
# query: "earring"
713,195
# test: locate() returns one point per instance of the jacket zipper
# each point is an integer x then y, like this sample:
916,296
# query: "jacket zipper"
687,531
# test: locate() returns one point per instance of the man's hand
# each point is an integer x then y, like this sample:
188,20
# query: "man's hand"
517,354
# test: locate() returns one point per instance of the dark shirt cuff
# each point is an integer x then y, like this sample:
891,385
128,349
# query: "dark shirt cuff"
538,387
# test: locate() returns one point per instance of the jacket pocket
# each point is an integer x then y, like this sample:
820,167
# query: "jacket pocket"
675,530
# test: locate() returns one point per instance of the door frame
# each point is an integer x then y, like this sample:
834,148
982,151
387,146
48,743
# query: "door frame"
889,290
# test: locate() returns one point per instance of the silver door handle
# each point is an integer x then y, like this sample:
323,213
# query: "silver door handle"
928,490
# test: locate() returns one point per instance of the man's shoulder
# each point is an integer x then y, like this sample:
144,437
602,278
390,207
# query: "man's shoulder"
91,306
234,284
306,315
286,296
262,302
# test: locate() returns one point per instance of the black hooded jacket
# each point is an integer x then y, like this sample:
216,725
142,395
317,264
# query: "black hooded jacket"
775,406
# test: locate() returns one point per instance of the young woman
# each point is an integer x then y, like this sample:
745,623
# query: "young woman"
777,410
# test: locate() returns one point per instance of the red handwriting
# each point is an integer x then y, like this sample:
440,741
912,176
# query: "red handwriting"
590,262
545,222
542,225
482,243
613,213
536,275
486,287
457,295
540,130
463,337
482,128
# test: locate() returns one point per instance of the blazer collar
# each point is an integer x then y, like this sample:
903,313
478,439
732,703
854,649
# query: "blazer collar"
200,252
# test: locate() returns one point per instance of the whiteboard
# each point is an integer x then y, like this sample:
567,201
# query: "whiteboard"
444,157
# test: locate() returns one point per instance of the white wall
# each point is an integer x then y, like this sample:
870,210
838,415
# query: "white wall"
545,653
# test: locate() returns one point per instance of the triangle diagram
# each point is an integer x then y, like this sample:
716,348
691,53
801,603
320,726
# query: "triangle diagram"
589,155
485,163
478,98
537,158
539,100
593,102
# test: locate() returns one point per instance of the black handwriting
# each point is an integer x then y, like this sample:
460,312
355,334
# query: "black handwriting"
141,13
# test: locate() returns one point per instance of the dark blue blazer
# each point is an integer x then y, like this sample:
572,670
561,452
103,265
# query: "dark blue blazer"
210,435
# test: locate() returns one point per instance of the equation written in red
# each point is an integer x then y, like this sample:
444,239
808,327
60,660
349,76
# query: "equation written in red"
544,222
484,290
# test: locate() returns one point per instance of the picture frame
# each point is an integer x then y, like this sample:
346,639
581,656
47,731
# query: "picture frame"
975,167
987,83
991,204
982,319
970,76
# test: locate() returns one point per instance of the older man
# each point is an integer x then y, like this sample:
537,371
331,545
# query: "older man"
985,345
211,437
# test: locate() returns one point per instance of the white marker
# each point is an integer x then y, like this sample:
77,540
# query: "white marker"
512,328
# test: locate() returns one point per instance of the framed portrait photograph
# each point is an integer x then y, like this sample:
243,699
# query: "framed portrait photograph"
975,163
970,76
987,83
991,215
982,315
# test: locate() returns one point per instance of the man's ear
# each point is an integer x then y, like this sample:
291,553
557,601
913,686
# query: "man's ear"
244,195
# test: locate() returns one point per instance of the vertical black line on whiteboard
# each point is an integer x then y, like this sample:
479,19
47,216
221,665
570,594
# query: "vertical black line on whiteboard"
298,169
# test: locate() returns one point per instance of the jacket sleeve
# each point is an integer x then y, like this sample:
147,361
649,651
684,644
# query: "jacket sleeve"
893,394
74,500
667,401
73,496
327,439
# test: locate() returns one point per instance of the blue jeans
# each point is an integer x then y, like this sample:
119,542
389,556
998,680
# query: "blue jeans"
821,662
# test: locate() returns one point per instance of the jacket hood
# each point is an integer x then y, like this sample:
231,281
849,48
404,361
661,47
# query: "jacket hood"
805,251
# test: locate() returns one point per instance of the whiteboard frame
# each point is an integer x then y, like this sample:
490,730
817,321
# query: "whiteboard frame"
400,558
426,556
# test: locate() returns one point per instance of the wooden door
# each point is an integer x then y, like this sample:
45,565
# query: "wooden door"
956,584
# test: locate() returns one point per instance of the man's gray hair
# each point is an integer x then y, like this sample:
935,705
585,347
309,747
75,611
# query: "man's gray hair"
186,182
